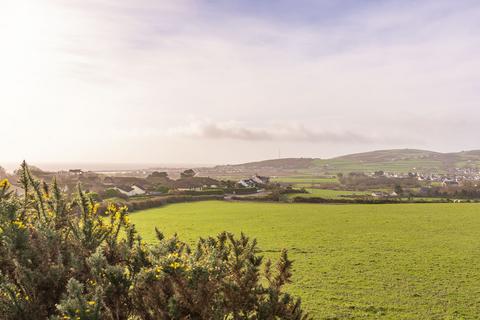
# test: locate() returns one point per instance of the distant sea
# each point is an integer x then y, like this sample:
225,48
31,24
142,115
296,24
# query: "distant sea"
101,167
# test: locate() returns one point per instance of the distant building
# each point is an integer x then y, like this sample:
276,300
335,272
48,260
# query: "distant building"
131,191
75,171
247,183
254,182
260,180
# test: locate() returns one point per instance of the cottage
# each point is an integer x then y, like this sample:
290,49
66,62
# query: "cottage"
134,190
254,182
247,183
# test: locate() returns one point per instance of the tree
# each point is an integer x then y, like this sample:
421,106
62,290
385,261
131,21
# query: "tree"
398,189
113,193
190,173
379,173
156,174
162,189
60,259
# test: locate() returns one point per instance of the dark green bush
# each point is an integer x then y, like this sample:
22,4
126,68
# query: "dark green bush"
154,202
207,192
60,259
113,193
240,191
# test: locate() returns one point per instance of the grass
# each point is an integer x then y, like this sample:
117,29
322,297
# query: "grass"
402,166
408,261
305,180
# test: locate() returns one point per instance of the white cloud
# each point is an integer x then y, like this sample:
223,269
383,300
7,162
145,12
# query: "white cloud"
116,76
280,132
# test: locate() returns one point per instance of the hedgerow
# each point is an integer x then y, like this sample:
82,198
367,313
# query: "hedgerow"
61,259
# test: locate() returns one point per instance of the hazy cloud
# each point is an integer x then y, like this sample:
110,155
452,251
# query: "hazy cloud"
107,79
280,132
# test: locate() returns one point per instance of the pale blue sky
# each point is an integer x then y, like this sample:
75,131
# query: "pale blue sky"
232,81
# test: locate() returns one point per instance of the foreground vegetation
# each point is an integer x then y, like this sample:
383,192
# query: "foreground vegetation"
60,259
406,261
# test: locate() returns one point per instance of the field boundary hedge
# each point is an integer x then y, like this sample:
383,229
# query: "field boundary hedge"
136,205
212,192
358,201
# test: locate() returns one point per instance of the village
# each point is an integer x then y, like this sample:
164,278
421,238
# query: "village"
147,184
154,183
459,176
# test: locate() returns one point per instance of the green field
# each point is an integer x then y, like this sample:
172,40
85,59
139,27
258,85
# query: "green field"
402,166
304,180
407,261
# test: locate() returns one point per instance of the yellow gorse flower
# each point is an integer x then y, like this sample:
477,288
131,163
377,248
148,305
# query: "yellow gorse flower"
175,265
4,183
111,207
19,224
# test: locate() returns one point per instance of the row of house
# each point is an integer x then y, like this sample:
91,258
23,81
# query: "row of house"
134,186
458,177
137,186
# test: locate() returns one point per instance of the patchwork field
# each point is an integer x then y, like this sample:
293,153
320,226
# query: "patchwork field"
304,180
407,261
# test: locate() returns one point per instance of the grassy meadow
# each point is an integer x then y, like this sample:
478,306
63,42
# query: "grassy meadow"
407,261
304,180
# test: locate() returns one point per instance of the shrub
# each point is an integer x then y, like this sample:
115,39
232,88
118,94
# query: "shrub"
60,259
207,192
135,204
113,193
240,191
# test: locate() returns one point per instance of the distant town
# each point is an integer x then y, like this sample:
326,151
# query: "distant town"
285,180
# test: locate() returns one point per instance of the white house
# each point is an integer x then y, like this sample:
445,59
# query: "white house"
131,191
254,181
247,183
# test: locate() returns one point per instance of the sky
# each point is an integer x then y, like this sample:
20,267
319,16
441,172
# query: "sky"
214,82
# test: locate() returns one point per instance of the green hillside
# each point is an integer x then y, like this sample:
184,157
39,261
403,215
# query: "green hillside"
405,160
396,160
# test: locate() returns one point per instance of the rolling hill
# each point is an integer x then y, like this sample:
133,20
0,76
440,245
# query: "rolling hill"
395,160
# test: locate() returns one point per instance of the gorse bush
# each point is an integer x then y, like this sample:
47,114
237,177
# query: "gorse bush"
61,259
